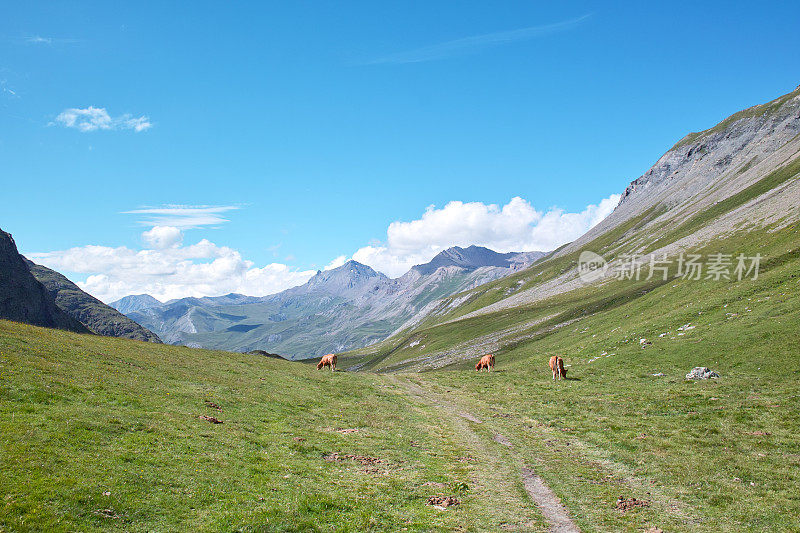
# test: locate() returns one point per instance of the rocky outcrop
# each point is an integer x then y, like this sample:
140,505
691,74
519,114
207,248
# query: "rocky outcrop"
765,127
23,298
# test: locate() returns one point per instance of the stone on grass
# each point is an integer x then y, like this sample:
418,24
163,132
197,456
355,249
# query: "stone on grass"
701,372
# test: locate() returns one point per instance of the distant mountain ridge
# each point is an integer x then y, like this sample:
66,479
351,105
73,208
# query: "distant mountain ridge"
338,309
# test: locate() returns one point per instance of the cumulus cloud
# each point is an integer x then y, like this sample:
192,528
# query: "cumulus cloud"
97,118
161,237
168,269
514,227
171,270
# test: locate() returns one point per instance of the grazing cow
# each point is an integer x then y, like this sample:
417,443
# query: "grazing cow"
327,360
487,362
557,366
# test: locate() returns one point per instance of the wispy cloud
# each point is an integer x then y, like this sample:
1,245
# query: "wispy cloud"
7,91
97,118
183,216
477,42
38,39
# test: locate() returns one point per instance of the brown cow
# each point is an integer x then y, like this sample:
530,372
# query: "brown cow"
328,360
557,366
487,362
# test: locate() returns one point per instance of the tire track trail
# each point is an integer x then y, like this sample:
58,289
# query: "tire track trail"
546,501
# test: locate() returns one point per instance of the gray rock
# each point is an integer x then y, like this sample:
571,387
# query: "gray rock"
701,372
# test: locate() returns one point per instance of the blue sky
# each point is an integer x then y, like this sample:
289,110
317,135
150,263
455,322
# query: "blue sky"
323,123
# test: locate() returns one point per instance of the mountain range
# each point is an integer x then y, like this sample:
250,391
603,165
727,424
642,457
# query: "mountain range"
339,309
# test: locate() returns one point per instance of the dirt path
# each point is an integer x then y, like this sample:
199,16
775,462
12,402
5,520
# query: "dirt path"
546,501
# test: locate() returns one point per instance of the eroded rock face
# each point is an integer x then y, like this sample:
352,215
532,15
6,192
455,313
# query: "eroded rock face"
23,298
752,133
701,372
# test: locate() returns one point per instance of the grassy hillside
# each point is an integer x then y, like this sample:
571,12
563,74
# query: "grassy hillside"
99,433
719,455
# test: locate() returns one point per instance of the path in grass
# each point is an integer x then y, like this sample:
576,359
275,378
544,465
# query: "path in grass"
512,468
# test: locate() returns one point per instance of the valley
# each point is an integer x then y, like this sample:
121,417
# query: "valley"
116,434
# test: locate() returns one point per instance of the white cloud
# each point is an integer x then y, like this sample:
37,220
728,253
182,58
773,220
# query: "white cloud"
336,263
6,90
183,216
38,39
516,227
202,269
163,237
97,118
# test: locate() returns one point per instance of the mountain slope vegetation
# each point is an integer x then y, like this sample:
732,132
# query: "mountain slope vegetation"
98,317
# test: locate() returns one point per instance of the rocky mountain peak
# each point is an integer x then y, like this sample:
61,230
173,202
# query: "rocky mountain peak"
350,275
135,302
468,258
